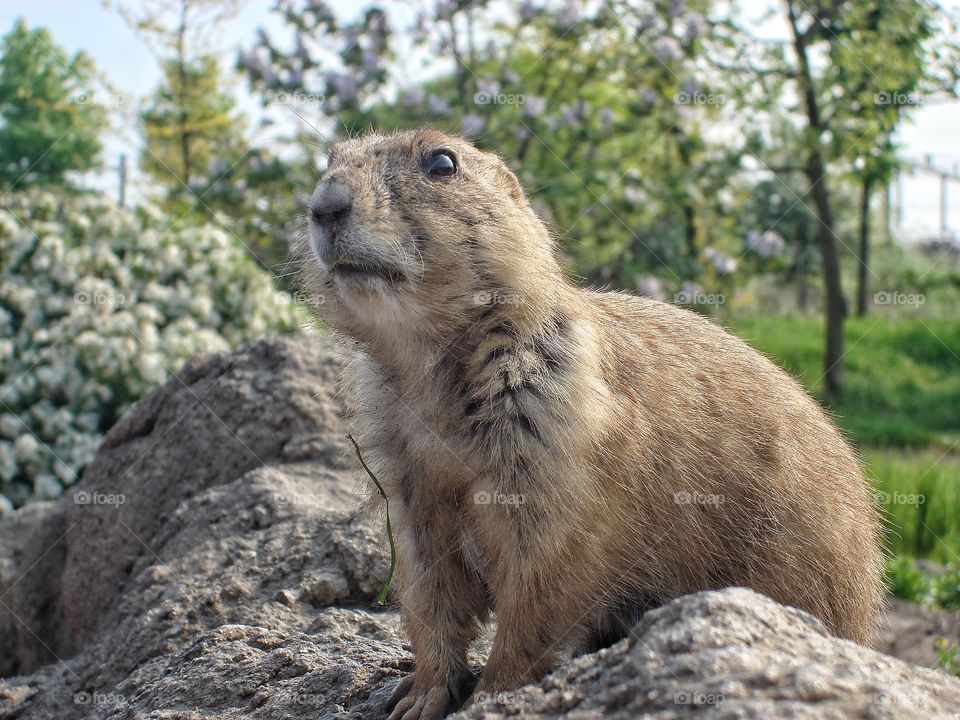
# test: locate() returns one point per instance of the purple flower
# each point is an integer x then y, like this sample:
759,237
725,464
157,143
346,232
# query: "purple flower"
301,51
694,27
342,85
648,97
766,244
667,49
413,97
472,125
438,105
321,10
650,286
568,16
528,11
488,86
534,105
606,118
371,62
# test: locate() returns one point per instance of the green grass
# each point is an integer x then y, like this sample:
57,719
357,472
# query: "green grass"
919,491
902,375
939,589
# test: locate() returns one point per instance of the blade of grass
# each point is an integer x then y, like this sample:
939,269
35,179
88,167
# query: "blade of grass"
382,597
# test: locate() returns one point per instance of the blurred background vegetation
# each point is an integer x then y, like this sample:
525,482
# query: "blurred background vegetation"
677,148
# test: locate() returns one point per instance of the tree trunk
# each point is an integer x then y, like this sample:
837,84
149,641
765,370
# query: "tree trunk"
184,118
834,305
863,282
688,211
815,169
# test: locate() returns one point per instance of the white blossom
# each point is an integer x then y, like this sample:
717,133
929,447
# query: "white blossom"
110,302
722,263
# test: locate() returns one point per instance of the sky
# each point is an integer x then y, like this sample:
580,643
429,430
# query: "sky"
133,70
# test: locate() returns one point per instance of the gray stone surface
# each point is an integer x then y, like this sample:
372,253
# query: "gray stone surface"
214,566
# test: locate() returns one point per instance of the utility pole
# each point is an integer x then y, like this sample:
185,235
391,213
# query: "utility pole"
122,181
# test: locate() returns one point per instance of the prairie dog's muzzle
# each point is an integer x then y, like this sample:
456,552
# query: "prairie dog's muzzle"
330,207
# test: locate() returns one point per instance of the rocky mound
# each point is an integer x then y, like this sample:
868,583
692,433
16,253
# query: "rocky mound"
211,564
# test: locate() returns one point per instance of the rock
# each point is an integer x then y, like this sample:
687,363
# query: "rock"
912,632
731,654
211,564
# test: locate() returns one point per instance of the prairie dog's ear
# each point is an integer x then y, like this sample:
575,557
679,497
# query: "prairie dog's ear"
508,181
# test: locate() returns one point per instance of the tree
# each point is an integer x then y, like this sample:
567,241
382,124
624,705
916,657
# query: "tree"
193,133
51,118
599,110
839,58
815,169
890,56
190,120
197,147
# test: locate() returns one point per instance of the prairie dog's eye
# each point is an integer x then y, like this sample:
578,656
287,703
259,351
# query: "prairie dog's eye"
440,163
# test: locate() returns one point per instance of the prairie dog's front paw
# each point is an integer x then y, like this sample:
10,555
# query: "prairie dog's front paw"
426,704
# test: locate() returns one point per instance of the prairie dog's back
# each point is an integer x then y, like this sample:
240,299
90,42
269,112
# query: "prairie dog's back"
734,452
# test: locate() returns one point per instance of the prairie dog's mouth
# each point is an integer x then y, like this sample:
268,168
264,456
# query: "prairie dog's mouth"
347,267
361,270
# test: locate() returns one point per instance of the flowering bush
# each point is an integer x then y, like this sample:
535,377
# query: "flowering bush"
98,305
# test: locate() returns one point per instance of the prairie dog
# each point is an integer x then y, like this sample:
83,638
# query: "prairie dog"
563,457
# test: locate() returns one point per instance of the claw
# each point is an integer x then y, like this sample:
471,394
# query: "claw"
428,705
399,692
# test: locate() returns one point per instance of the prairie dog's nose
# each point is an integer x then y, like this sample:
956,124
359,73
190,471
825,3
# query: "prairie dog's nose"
331,201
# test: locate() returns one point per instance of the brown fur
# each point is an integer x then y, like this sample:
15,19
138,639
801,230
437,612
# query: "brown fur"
602,411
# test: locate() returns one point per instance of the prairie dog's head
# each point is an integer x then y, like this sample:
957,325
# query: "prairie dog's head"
416,232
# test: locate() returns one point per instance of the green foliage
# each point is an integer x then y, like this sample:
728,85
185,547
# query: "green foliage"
946,592
938,589
51,118
907,582
949,656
